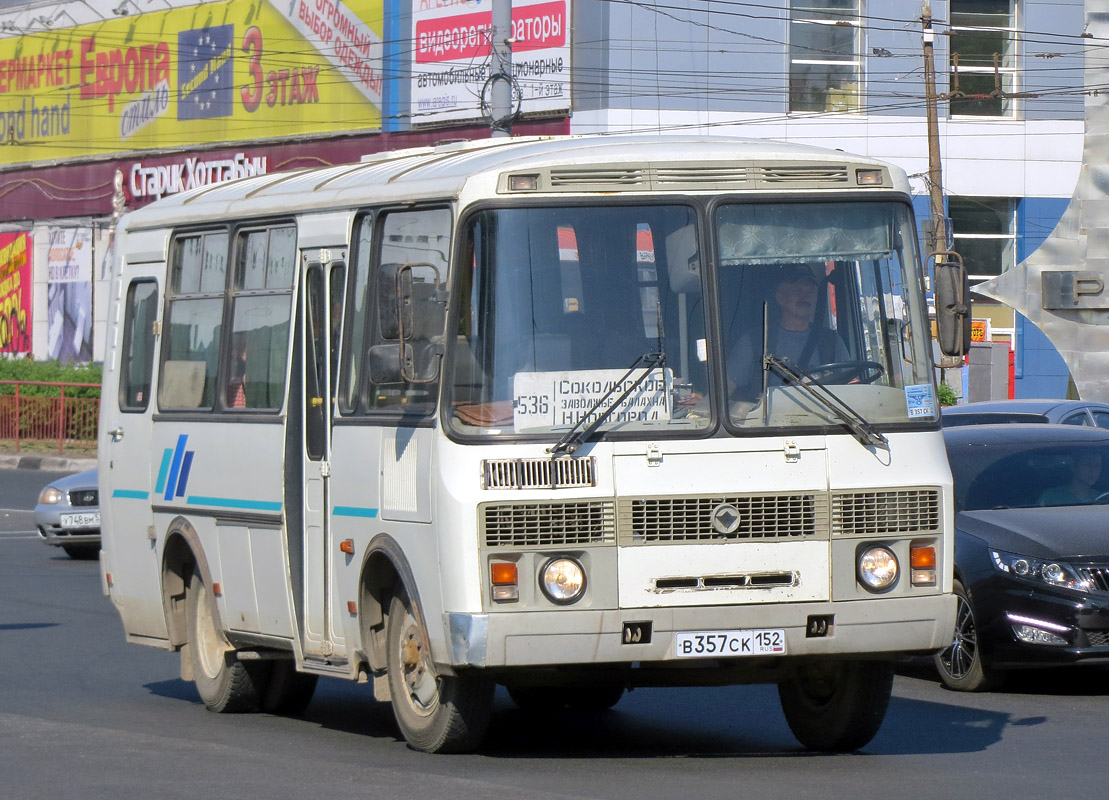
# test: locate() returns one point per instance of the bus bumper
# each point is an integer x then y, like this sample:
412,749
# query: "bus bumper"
548,638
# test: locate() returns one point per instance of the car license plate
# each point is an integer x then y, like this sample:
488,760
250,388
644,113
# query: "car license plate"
89,519
707,644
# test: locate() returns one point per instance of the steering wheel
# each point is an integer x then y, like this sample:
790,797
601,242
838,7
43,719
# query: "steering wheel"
848,372
1101,498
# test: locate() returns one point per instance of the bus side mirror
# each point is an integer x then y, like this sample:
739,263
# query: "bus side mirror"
952,303
411,312
409,305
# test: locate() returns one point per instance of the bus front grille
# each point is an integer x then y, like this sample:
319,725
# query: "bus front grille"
516,525
879,513
724,518
538,473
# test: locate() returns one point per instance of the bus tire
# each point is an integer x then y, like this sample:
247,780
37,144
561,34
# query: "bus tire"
225,684
837,706
288,692
435,713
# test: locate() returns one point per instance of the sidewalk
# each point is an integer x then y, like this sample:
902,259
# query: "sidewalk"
55,463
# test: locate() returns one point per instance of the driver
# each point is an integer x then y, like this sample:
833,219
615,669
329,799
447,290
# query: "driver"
1085,470
791,333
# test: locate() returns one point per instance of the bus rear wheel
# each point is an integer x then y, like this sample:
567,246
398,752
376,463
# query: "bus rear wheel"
837,706
435,713
225,684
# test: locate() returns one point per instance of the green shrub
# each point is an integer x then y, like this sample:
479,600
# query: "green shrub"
947,395
20,369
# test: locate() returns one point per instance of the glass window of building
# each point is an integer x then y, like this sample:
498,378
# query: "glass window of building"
824,55
985,234
983,57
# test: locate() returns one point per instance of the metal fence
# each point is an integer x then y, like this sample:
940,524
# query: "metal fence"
40,412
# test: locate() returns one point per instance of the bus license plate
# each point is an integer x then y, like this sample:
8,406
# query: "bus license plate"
708,644
90,519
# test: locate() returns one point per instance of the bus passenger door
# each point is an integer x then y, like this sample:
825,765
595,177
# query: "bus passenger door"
320,299
126,470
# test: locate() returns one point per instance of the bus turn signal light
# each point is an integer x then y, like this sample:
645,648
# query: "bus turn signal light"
347,546
922,560
504,578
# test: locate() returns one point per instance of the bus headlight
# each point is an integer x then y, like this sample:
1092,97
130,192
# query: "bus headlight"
562,580
877,568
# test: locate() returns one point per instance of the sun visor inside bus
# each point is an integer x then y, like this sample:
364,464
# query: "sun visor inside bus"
683,259
788,234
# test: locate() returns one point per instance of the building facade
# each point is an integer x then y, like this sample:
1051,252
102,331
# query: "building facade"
109,105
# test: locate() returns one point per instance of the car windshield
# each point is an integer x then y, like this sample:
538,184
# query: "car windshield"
989,476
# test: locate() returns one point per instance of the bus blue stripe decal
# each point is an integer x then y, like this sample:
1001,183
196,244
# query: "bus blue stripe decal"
163,471
131,494
232,502
175,468
185,467
354,511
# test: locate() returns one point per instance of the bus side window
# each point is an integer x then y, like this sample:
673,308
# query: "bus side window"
137,363
194,319
354,336
420,238
261,298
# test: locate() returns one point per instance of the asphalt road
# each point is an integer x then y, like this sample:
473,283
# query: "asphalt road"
85,715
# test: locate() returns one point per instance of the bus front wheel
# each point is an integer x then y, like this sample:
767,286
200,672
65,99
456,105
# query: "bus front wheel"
435,713
225,684
837,706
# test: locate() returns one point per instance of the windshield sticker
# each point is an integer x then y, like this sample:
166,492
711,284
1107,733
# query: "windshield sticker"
919,400
562,399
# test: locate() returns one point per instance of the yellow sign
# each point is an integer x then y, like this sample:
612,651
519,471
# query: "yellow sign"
978,330
204,74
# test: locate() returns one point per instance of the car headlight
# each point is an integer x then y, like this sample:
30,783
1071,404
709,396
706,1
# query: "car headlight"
50,495
1053,573
877,568
562,580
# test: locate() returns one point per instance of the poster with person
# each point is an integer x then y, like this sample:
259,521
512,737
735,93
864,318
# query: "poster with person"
69,295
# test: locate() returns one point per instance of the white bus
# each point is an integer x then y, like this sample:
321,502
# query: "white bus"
533,413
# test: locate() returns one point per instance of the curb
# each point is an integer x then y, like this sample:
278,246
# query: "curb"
53,463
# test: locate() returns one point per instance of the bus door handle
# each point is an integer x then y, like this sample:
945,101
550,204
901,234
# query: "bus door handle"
116,434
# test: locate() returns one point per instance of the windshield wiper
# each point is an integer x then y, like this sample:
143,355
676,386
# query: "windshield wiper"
859,427
574,437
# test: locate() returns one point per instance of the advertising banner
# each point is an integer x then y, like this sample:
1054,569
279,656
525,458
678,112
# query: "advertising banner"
15,292
451,58
69,294
208,73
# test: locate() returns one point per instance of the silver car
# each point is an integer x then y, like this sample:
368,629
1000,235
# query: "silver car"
68,514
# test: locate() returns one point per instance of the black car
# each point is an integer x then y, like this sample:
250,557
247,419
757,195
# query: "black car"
991,412
1031,550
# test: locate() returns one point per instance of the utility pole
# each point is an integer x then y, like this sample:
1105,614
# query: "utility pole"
500,80
935,182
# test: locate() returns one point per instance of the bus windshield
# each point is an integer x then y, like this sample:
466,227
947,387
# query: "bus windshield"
600,314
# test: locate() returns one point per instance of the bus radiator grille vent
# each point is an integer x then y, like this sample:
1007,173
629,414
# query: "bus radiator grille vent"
870,513
710,177
1097,576
738,518
538,473
516,525
806,174
604,179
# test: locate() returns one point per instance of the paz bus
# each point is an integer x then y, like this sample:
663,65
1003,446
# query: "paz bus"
514,413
